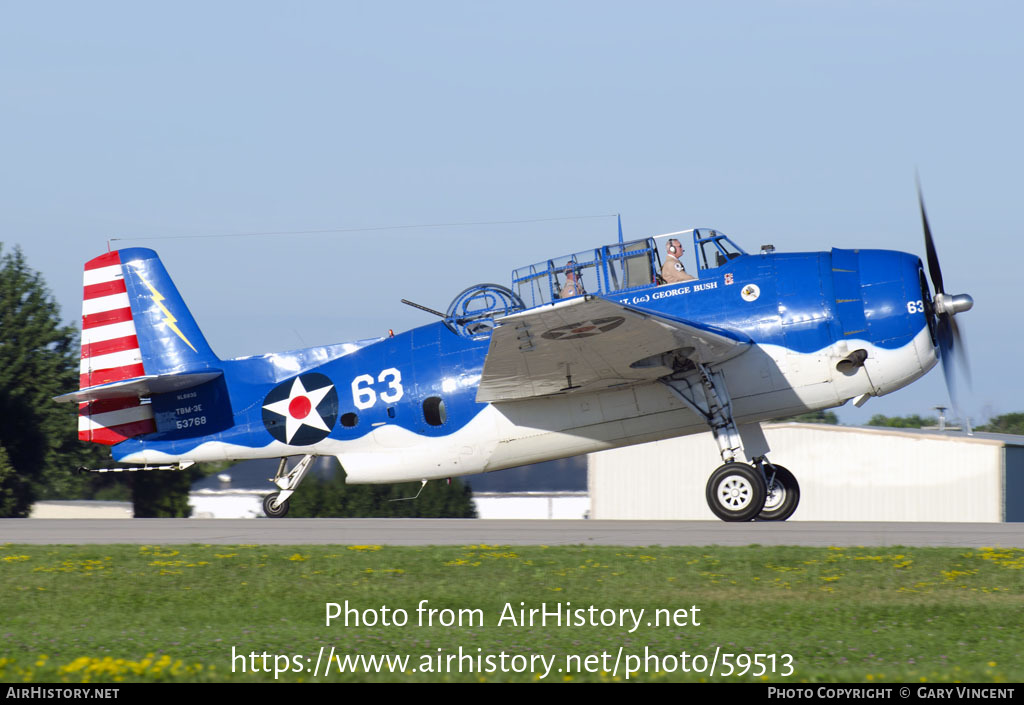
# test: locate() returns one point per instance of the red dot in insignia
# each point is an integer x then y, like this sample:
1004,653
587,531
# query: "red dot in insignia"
300,408
584,329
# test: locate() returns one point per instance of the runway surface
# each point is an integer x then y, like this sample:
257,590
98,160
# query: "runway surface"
424,532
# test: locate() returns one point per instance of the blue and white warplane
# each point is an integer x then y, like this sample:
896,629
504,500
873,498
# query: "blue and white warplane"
545,369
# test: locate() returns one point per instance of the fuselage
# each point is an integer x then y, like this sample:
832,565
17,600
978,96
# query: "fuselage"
405,407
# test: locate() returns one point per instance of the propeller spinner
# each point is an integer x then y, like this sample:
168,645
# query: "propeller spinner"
952,352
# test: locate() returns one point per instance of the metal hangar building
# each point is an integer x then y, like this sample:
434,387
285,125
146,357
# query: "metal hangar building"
846,473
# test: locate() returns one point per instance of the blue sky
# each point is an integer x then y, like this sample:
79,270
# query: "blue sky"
794,123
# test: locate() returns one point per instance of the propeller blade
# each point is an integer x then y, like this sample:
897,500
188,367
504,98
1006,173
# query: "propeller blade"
934,271
952,351
960,352
947,342
953,354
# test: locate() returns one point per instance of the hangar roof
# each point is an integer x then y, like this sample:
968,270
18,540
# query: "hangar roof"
1002,439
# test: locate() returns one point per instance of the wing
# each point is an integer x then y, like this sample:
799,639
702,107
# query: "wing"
589,343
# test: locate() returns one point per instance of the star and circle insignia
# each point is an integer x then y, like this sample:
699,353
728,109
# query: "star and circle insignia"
583,329
301,411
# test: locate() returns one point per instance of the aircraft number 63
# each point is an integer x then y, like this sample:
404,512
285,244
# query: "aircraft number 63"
915,307
364,395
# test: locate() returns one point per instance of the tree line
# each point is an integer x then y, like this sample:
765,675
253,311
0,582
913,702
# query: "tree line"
1006,423
38,361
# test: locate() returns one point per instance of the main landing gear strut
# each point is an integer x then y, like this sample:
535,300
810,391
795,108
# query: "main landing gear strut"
276,504
737,491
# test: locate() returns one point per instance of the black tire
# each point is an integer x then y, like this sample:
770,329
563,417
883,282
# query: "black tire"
736,492
274,511
780,504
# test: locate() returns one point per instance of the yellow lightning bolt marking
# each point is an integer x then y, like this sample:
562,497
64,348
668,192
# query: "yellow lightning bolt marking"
169,318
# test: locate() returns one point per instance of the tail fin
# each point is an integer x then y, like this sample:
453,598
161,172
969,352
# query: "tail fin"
170,340
134,324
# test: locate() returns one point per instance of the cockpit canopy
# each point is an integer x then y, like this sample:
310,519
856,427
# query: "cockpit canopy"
605,270
613,268
713,248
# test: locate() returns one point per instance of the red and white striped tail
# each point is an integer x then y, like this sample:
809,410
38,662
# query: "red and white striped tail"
110,353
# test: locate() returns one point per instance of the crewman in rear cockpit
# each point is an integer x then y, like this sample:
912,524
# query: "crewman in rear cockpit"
572,287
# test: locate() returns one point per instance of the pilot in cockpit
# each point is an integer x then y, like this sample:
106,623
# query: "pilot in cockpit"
673,271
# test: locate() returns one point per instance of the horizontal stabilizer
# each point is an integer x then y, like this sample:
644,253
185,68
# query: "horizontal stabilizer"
146,386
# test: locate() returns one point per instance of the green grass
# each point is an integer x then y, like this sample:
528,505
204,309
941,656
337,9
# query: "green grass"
104,613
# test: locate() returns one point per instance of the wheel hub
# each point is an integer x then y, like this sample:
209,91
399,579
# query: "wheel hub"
776,496
735,492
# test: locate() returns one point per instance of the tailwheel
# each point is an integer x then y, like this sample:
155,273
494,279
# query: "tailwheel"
736,492
783,494
274,509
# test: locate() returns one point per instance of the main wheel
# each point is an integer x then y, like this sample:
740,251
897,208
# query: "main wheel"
782,498
736,492
271,507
